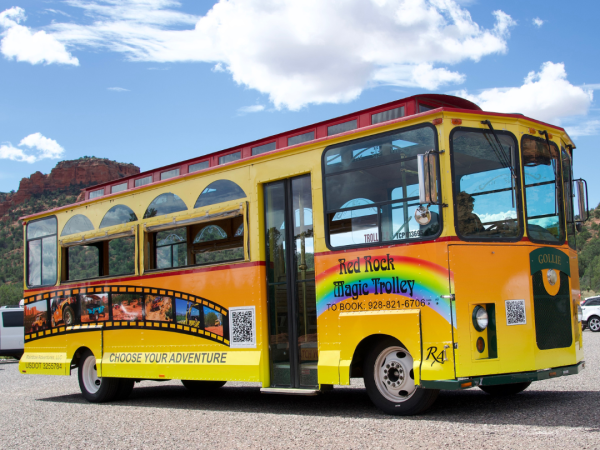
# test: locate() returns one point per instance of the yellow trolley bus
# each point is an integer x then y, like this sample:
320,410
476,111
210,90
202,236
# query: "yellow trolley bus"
421,245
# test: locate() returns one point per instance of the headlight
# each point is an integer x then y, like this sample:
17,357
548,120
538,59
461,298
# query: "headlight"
579,314
480,318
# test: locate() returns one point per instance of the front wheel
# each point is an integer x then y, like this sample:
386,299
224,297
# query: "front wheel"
594,323
94,388
390,381
505,389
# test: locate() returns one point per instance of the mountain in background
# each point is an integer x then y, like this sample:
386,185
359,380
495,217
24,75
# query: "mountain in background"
42,192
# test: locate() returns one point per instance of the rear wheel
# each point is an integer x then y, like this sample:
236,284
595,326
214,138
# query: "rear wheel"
125,388
203,386
594,323
390,382
94,388
505,389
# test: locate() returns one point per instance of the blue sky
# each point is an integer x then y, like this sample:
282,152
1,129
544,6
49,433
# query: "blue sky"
153,82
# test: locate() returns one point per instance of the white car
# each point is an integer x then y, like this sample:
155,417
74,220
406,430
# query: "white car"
591,314
11,331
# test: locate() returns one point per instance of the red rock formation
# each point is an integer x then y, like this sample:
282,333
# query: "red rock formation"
79,172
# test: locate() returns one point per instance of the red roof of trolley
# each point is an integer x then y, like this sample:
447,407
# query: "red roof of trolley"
411,107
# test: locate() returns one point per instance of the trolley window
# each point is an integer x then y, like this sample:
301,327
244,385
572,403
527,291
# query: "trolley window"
198,244
486,185
42,252
543,191
106,258
371,189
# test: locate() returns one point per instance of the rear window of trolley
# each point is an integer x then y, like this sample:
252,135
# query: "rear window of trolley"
42,253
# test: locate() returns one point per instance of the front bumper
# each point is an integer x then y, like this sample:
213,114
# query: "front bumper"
508,378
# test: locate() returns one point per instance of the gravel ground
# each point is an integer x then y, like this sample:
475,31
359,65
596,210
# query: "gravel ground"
49,412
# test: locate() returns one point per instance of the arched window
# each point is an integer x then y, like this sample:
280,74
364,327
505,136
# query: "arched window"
117,215
219,191
210,233
77,224
165,204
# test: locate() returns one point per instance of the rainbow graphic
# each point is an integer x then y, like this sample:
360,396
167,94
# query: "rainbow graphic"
431,281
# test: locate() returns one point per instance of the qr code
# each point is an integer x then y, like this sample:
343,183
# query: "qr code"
515,312
243,327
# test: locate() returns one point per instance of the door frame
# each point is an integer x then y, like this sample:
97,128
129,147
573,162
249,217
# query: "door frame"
291,277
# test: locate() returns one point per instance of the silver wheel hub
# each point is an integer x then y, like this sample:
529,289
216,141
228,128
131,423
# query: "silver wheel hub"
394,374
594,324
89,375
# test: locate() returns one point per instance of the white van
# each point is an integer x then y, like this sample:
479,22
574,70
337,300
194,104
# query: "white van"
11,331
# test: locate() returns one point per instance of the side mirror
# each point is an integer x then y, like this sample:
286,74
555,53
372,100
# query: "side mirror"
427,167
582,199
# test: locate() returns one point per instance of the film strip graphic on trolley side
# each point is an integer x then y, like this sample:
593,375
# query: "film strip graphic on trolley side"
83,309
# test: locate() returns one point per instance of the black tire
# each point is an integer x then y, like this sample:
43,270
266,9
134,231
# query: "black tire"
201,386
107,389
502,390
68,316
416,402
126,385
593,323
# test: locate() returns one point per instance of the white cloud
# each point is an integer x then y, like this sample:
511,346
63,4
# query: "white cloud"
20,43
58,11
298,53
47,148
538,22
251,109
588,128
44,147
118,89
7,151
546,95
422,75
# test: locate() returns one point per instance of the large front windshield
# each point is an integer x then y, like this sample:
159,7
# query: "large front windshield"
543,191
486,200
372,192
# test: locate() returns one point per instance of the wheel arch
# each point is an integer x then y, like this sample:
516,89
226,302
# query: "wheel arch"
77,356
362,350
360,332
